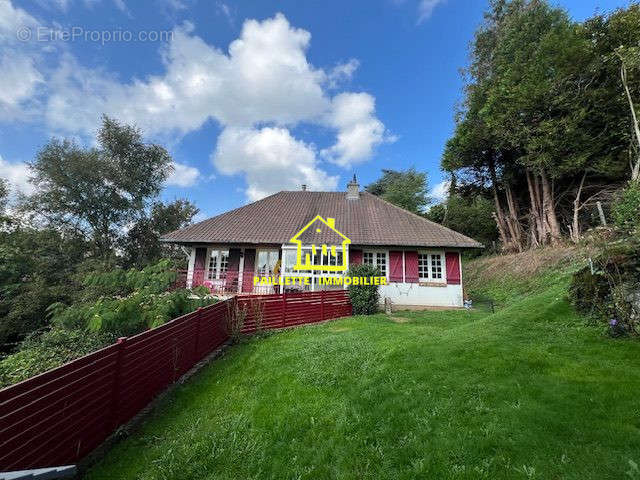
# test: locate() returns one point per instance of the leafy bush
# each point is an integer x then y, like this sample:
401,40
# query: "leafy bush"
126,302
611,292
39,353
626,209
364,298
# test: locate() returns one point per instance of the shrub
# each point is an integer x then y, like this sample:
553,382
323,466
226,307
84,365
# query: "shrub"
39,353
611,292
626,208
364,298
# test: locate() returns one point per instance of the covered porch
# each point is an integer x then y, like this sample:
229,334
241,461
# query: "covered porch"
230,269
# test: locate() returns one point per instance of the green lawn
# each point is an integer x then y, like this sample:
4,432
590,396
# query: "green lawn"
529,392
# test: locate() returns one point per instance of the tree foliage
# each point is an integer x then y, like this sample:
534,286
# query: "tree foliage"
97,191
545,126
406,189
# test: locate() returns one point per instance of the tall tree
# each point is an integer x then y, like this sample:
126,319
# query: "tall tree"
407,189
141,246
541,123
97,191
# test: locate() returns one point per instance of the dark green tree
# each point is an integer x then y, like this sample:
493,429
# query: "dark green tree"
97,191
141,246
406,189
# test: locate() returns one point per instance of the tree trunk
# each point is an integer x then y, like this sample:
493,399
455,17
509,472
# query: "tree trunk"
635,169
549,208
537,225
498,215
575,225
515,229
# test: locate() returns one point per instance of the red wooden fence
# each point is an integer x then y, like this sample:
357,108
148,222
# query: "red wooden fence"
58,417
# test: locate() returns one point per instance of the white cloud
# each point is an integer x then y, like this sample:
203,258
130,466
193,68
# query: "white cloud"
17,174
426,8
271,159
440,192
359,130
343,72
183,175
18,83
264,79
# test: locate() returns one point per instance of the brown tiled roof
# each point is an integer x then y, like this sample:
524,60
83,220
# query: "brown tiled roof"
368,220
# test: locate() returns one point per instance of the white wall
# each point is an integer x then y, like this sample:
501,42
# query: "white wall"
415,294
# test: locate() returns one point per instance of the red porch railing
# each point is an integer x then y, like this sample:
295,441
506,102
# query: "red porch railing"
230,283
58,417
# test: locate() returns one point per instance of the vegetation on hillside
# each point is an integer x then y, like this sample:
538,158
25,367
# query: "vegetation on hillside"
93,210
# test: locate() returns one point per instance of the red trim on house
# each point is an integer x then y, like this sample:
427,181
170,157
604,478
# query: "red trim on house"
395,266
453,268
198,266
248,270
411,267
355,257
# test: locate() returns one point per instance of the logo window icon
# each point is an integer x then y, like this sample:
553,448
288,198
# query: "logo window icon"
330,241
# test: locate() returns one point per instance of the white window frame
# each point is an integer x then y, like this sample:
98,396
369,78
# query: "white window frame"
377,252
443,266
218,273
269,251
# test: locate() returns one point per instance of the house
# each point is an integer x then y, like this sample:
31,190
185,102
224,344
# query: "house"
314,235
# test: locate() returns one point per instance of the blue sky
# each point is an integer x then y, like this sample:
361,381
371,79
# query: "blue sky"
249,97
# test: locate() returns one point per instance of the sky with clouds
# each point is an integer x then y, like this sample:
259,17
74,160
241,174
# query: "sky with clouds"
249,97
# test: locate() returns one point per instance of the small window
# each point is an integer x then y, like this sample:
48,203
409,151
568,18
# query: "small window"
378,259
267,260
436,266
218,263
430,266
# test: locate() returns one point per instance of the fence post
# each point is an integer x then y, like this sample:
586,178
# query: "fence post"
197,335
115,394
284,309
322,292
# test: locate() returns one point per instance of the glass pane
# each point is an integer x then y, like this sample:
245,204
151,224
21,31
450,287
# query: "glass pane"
224,261
423,265
213,261
436,266
290,257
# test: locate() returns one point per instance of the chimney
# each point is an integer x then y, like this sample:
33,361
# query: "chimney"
331,222
304,187
353,189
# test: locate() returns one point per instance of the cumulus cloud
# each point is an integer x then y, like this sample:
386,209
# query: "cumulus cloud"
271,159
17,174
183,175
426,8
359,130
258,91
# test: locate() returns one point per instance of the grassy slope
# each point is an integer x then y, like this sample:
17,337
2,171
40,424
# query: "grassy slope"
529,392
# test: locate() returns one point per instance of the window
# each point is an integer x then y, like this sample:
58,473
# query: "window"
266,263
436,266
430,266
218,263
378,259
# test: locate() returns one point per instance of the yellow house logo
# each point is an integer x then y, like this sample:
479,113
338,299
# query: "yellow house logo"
320,225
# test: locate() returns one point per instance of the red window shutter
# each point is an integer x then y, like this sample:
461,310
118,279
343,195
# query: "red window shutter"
411,267
355,257
198,267
395,266
248,270
453,268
